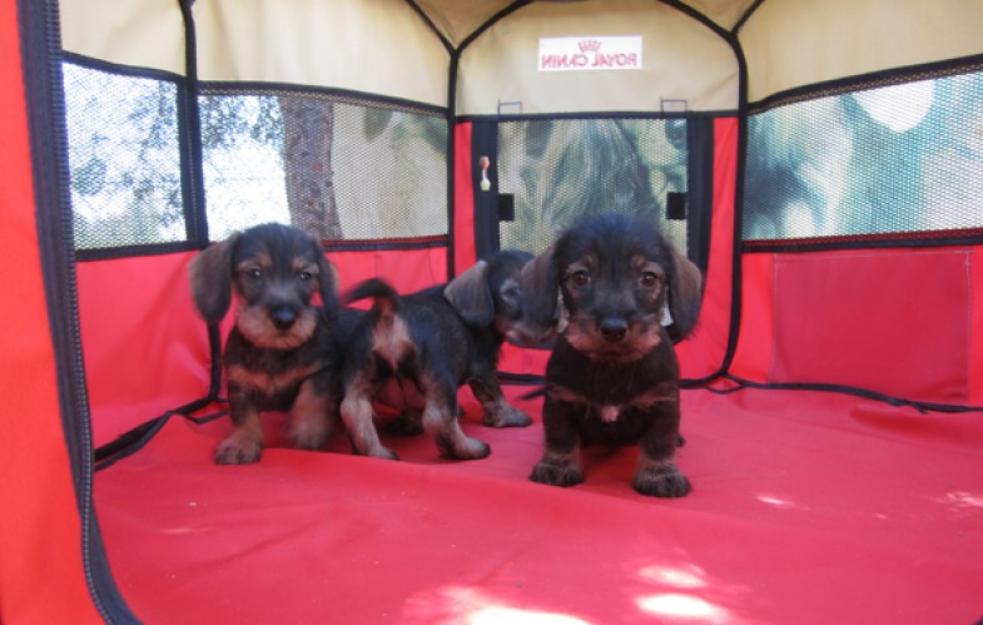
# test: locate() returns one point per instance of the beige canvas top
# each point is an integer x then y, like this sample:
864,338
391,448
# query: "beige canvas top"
385,47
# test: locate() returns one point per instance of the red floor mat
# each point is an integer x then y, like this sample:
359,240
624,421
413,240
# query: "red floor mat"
806,508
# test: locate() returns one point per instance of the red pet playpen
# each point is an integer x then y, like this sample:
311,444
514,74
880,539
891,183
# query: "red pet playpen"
821,162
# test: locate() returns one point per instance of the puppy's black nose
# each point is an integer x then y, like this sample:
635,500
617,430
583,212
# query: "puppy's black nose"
283,317
614,330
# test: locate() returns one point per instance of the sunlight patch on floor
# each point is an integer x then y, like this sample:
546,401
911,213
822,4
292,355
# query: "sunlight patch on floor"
682,607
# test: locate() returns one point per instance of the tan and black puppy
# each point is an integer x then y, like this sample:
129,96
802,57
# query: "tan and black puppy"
609,286
281,353
431,342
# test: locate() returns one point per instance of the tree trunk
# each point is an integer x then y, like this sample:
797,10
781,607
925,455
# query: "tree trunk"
308,131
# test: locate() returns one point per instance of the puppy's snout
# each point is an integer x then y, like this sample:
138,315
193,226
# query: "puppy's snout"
283,317
614,329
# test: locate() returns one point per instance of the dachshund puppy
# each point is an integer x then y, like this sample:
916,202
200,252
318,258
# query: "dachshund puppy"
281,353
429,343
609,285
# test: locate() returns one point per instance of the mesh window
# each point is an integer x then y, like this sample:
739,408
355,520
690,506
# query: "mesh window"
903,158
337,169
562,170
124,159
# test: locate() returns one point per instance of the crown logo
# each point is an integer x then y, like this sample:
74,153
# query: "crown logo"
589,45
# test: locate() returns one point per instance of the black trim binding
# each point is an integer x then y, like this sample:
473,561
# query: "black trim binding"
128,251
433,27
189,133
699,192
371,245
347,96
45,105
928,238
736,28
521,117
120,69
132,441
920,406
177,247
871,80
742,119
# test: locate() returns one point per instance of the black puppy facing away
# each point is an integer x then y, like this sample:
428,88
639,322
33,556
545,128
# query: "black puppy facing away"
281,354
612,377
433,341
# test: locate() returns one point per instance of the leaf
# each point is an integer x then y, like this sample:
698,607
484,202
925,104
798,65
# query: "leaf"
375,122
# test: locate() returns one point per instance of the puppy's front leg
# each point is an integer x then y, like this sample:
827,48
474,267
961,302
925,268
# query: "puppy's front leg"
498,413
245,444
313,414
560,465
657,474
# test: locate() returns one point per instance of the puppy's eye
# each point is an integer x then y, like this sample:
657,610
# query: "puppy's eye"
255,274
305,276
580,278
649,279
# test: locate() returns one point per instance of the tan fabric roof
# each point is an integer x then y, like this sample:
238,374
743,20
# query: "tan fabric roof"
383,47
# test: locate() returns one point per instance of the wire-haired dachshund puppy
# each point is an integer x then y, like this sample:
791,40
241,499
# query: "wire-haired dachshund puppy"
434,341
281,353
609,285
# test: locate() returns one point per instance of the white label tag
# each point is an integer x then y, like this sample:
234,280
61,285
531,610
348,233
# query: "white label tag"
565,54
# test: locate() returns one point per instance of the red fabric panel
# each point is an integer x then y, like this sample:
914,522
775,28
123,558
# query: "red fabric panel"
702,353
146,349
899,321
895,321
407,270
798,497
465,254
755,344
526,361
976,329
41,574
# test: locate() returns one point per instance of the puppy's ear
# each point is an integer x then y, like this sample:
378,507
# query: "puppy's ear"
540,285
211,279
685,293
471,297
327,281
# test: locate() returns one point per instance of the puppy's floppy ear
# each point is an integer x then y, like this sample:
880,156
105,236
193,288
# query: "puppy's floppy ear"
685,293
327,281
211,279
540,285
471,296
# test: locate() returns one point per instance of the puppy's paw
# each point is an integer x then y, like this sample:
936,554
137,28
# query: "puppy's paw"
661,482
238,450
381,452
508,417
404,425
557,471
464,448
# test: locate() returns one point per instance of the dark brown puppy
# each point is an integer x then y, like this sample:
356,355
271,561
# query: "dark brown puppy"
612,377
432,342
281,353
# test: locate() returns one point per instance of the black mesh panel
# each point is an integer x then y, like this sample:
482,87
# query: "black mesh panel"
562,170
340,169
897,159
124,159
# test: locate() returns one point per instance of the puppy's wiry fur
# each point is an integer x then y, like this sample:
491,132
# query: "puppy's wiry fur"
612,377
430,343
281,353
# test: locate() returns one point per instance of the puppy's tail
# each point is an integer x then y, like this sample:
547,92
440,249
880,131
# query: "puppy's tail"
387,301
